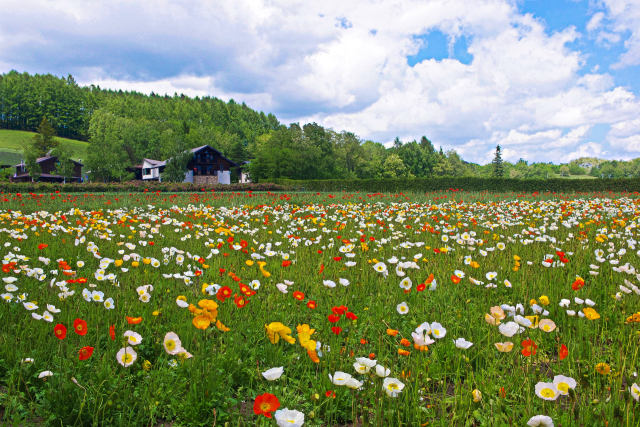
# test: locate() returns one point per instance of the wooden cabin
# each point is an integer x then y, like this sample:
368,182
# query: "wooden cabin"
48,166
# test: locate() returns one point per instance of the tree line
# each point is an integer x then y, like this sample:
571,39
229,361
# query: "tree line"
122,128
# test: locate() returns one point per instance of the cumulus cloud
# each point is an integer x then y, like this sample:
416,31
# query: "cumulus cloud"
344,65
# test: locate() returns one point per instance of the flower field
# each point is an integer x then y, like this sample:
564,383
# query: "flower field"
445,308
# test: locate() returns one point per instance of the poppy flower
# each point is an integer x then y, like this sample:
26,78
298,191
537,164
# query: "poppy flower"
311,304
528,348
333,318
421,287
112,332
240,301
331,394
265,404
133,320
41,246
60,331
577,284
298,295
351,316
563,352
336,330
85,353
340,310
286,263
223,293
80,326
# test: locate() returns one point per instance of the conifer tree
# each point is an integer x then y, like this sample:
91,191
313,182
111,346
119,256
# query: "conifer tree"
498,170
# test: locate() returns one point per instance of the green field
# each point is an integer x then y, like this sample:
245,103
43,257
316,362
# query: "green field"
12,142
349,309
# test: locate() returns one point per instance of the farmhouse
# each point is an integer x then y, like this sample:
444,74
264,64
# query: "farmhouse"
207,166
48,171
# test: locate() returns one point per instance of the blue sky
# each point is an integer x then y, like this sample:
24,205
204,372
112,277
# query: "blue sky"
548,80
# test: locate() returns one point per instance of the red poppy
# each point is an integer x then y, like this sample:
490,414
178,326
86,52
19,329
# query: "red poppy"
312,304
240,301
112,332
339,310
85,353
337,258
246,290
528,348
60,331
286,263
577,284
351,316
41,246
455,279
80,326
223,293
321,268
421,287
134,320
265,404
298,295
331,394
333,318
336,330
563,352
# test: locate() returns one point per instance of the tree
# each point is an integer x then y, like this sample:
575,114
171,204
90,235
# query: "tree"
498,170
393,167
45,139
176,167
64,166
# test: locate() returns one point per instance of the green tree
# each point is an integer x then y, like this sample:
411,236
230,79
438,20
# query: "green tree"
64,165
176,166
45,139
498,169
393,167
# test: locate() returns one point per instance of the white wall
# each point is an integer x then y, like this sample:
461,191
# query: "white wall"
224,177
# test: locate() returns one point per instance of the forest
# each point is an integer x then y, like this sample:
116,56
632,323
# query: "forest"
122,128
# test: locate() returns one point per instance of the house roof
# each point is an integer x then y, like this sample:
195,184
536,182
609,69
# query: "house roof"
47,157
156,163
195,150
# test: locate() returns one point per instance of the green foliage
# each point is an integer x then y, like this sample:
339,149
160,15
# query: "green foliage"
498,170
422,185
45,140
65,166
176,167
132,187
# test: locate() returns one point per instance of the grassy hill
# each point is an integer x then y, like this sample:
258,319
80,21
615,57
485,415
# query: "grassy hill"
12,143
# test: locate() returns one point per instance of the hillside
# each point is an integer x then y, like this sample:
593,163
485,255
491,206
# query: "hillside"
12,143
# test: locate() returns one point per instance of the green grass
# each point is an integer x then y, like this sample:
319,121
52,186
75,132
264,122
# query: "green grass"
12,142
219,383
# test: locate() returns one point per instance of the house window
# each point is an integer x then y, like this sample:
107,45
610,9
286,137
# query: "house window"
146,171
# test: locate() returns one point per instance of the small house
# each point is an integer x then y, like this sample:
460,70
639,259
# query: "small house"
207,166
48,165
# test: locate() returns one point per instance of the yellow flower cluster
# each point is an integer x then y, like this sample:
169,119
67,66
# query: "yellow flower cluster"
206,314
276,330
634,318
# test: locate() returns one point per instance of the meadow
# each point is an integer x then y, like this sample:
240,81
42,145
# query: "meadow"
448,308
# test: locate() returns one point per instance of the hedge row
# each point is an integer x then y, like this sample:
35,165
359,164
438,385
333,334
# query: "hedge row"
421,185
130,187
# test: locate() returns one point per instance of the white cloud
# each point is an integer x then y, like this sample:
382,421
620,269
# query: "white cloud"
625,18
524,89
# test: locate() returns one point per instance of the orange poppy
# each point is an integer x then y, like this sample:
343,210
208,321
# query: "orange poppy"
563,352
528,348
298,295
134,320
311,304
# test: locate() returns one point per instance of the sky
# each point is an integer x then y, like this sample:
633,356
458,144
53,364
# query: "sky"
547,80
